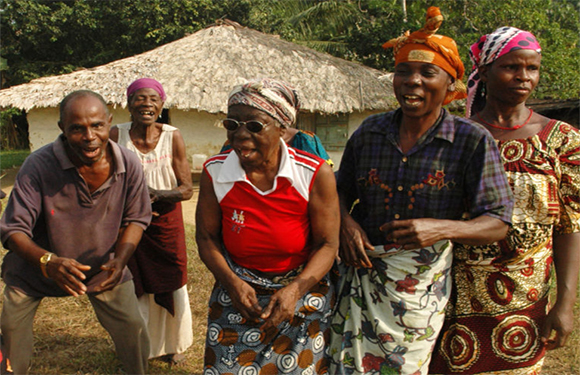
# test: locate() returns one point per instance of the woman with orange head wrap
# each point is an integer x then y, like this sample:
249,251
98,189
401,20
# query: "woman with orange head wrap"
415,172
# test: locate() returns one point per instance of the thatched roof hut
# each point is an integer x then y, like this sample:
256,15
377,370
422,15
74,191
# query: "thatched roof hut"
198,72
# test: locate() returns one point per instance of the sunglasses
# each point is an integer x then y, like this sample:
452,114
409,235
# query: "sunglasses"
252,126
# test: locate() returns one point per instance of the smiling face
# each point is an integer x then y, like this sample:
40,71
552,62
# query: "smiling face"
511,78
420,88
85,124
254,149
145,106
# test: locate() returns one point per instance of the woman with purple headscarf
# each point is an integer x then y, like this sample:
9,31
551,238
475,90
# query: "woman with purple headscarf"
159,264
500,320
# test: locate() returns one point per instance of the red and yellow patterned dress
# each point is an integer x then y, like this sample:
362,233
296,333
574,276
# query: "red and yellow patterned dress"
500,297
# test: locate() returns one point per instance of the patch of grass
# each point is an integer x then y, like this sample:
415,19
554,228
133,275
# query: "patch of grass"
70,340
11,159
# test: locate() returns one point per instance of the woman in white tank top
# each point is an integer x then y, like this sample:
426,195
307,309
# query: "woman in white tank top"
159,265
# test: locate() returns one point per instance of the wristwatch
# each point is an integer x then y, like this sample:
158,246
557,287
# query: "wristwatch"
44,261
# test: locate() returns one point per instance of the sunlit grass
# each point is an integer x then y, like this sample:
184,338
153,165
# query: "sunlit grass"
10,159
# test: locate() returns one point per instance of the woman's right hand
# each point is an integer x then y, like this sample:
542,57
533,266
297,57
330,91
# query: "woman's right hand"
244,299
354,243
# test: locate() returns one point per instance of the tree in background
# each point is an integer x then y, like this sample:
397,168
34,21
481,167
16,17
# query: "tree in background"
43,38
356,29
321,25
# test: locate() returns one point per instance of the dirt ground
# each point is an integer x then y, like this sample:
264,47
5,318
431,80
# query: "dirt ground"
7,182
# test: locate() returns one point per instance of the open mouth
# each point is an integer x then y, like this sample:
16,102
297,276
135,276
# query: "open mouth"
147,113
245,152
91,152
412,100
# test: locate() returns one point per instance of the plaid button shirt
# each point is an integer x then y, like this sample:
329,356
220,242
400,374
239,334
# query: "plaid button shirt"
453,171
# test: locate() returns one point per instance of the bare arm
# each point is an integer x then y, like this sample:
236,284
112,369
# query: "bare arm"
66,272
324,214
561,317
182,170
208,236
417,233
353,240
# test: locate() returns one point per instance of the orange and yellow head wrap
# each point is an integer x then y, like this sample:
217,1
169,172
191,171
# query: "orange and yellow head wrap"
424,45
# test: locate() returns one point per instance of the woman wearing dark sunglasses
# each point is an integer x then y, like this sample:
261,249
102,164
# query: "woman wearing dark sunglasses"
267,228
295,138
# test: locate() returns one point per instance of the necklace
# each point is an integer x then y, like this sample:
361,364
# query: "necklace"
506,128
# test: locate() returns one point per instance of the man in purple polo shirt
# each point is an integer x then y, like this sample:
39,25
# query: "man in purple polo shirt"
77,211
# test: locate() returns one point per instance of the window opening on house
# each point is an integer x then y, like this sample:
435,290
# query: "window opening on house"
332,130
164,117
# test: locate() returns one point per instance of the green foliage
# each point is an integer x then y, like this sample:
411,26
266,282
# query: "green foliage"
355,30
553,22
43,38
8,131
322,25
11,159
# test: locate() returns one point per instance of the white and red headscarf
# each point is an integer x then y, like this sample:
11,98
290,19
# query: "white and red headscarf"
486,50
276,98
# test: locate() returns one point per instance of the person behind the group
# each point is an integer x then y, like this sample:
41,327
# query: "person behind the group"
75,215
267,228
301,140
159,264
415,171
500,320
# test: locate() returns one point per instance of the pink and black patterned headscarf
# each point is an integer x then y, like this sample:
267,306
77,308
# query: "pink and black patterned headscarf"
276,98
489,48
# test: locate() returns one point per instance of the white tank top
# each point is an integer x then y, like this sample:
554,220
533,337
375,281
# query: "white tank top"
156,163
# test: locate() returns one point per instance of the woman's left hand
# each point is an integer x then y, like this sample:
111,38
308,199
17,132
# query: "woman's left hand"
281,307
561,321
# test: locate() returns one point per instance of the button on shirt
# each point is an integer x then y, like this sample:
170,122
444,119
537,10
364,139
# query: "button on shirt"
454,168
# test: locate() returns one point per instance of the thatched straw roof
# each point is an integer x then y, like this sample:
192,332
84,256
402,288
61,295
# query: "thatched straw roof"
198,72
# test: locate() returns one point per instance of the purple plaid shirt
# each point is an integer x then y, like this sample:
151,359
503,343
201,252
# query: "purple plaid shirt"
453,171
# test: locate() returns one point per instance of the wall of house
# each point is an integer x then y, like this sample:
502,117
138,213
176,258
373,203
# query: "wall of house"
354,121
201,133
43,124
199,130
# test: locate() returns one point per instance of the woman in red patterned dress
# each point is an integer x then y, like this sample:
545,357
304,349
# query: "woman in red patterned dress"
500,321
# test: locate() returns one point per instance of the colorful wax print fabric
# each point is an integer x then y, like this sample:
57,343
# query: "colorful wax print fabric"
500,297
388,317
236,346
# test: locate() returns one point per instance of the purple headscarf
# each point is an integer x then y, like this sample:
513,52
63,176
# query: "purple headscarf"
146,83
489,48
276,98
